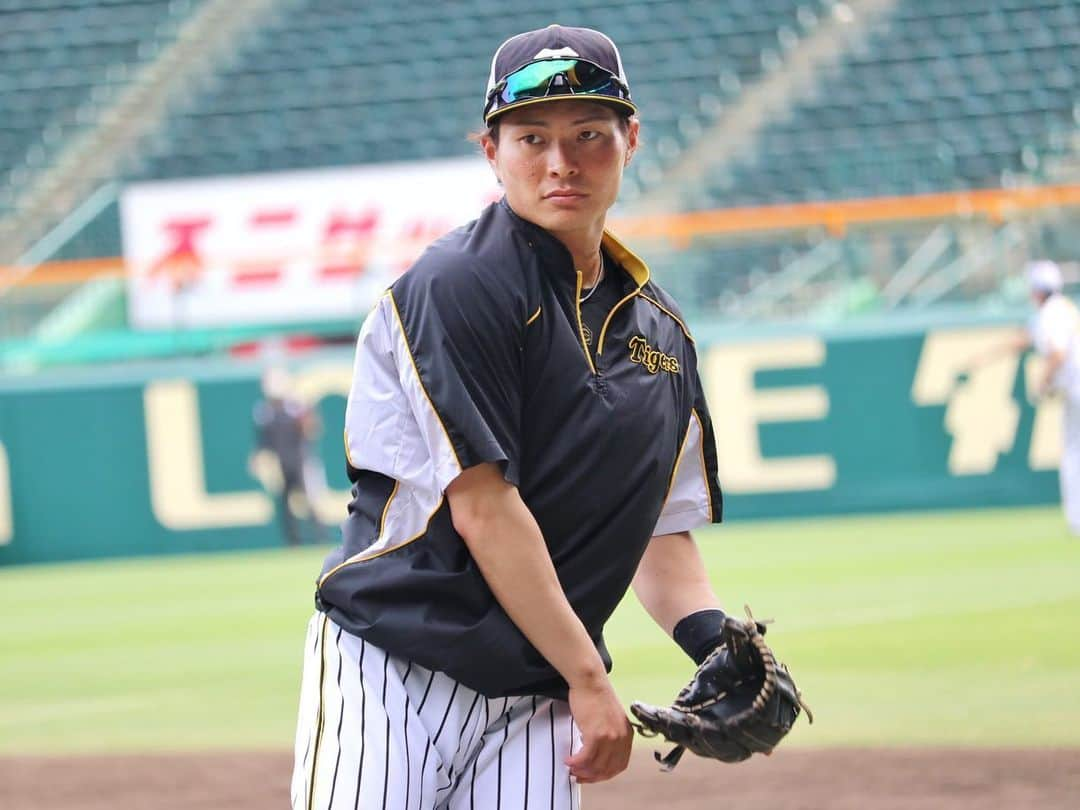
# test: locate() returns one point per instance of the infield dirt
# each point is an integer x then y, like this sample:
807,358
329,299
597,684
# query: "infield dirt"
886,779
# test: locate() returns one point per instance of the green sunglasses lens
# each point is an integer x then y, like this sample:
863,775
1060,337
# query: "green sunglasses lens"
558,77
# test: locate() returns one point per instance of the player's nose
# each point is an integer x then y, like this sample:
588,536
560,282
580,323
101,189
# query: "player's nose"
561,162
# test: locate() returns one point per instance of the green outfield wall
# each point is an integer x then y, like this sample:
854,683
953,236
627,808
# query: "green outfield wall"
147,460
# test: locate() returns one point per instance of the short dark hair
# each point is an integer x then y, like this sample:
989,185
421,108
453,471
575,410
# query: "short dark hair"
490,131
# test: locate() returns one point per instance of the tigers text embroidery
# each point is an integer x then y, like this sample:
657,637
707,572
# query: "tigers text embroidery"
652,359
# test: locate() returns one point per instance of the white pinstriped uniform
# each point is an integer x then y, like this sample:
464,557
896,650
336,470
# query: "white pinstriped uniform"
412,739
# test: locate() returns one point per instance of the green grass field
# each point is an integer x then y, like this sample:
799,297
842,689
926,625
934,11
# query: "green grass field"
930,629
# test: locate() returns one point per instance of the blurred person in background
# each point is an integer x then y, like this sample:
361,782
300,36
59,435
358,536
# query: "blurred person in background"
1053,332
283,460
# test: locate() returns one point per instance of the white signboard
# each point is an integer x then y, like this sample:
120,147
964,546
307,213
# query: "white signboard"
290,246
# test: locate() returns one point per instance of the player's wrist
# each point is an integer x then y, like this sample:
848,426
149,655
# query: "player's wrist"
589,676
699,633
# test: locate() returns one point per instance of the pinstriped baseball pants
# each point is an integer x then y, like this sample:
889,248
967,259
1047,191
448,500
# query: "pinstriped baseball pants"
376,732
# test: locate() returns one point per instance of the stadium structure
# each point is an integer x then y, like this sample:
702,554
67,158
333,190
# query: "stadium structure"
803,159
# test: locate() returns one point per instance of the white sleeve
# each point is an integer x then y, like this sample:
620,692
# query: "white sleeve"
1057,326
390,425
689,503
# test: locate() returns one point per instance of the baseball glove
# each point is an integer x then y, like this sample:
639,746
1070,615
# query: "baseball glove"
741,701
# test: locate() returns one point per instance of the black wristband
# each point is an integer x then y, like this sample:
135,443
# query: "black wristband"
700,633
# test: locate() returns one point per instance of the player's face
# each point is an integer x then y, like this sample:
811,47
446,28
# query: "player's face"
561,163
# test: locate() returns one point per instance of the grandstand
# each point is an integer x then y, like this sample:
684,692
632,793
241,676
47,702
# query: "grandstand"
59,59
957,95
885,97
338,83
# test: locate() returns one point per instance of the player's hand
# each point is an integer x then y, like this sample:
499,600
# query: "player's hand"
605,732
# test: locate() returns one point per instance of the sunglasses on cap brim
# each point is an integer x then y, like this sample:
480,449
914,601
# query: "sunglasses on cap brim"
556,77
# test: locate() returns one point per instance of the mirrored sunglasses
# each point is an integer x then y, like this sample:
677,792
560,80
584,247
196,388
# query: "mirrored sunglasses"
551,77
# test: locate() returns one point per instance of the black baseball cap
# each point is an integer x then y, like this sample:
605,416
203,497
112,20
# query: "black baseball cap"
554,63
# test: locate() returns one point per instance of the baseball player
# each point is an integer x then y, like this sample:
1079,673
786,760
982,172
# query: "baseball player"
527,436
1054,333
283,458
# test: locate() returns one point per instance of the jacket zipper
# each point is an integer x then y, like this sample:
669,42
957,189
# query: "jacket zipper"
581,324
603,329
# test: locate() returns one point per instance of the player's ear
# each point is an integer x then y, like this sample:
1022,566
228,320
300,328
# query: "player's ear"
489,145
633,132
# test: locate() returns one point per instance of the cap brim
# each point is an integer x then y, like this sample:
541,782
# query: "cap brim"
618,103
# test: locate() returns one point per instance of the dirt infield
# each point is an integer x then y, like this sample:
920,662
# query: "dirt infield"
791,780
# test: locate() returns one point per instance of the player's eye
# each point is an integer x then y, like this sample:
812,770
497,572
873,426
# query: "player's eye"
589,135
532,139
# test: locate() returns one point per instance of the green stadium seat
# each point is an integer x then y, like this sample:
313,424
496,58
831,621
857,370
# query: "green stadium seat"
945,94
350,58
53,53
977,80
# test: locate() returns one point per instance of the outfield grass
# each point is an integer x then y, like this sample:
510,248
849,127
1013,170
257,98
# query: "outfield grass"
933,629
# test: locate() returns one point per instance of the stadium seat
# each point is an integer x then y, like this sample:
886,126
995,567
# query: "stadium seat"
947,94
983,80
348,59
55,53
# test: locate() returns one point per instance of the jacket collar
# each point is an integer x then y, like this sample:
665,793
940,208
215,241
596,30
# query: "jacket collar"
556,255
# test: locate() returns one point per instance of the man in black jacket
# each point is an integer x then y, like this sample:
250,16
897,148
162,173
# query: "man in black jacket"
527,436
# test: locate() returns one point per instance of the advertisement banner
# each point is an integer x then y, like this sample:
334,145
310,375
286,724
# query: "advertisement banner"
805,425
287,247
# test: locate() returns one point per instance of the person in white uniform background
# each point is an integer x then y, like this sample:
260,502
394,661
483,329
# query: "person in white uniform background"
1054,333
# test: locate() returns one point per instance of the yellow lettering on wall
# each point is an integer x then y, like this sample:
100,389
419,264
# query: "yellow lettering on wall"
741,408
310,386
177,477
1046,438
7,523
980,413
